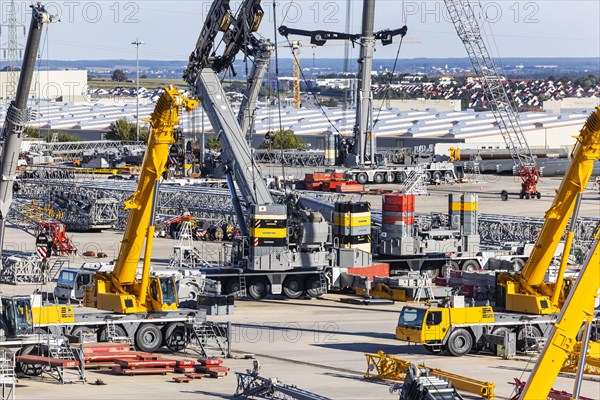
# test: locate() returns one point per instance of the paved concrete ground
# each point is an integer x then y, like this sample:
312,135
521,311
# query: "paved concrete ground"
317,344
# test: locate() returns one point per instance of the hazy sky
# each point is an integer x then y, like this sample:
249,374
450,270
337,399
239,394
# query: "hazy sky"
105,29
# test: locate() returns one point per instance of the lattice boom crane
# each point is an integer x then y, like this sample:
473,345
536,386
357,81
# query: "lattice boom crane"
465,22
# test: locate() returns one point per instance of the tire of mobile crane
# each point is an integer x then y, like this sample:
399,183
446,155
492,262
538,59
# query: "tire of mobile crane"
430,273
517,264
527,196
293,287
148,338
174,336
527,337
400,177
499,331
521,195
504,195
390,177
313,287
437,176
119,332
470,266
448,176
427,177
378,178
538,195
258,288
79,331
31,369
459,343
362,178
232,286
449,266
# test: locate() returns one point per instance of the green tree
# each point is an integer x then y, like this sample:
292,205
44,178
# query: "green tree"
285,139
213,144
122,129
64,137
119,76
32,132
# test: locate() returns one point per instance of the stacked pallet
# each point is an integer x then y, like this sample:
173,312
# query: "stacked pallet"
148,365
104,355
326,181
212,367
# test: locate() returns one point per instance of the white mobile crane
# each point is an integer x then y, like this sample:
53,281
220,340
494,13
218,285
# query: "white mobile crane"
359,153
282,249
465,22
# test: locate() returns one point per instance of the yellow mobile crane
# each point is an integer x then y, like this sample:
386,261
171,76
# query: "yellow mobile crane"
460,330
119,290
148,309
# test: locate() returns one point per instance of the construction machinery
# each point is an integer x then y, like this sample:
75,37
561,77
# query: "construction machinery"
52,238
530,303
282,248
359,153
527,292
467,27
18,115
119,291
117,303
441,245
577,310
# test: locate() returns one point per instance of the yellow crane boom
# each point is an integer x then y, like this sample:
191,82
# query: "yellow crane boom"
527,291
119,290
578,308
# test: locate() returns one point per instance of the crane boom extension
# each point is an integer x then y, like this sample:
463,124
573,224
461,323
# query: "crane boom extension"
578,308
530,282
465,22
17,115
201,75
163,121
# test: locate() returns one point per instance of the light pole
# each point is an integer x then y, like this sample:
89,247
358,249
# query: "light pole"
137,44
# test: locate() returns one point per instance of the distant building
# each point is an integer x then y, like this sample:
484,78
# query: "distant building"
61,86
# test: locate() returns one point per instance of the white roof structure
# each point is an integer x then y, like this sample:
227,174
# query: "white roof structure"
544,128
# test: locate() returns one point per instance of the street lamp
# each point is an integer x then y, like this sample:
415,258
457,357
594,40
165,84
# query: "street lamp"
137,44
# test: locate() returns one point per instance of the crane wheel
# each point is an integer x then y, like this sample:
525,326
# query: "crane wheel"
174,336
31,369
119,332
517,264
378,178
504,195
390,177
538,195
527,338
527,196
500,331
521,195
313,287
362,178
293,287
459,343
148,338
449,266
259,288
232,286
470,266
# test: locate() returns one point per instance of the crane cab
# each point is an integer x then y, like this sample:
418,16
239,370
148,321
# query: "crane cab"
16,317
